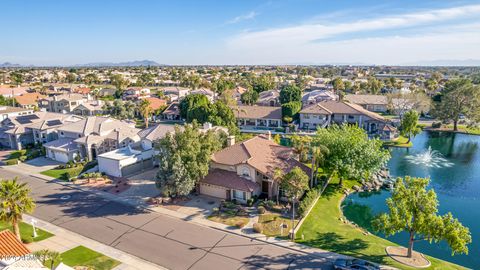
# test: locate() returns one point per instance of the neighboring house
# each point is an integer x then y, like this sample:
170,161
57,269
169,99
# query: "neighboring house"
9,92
269,98
136,92
29,100
238,91
8,112
317,96
258,116
374,103
206,92
243,170
141,155
327,113
178,92
106,92
14,255
39,127
172,112
89,108
156,103
82,90
90,137
62,103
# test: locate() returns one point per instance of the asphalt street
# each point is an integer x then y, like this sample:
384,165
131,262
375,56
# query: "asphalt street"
160,239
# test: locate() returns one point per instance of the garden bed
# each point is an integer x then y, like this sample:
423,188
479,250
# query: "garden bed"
230,214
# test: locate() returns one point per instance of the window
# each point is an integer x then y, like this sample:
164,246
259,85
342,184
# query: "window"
245,172
61,133
240,195
306,116
351,117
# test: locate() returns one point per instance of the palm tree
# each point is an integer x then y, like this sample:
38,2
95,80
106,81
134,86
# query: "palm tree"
318,155
145,111
15,200
46,255
54,257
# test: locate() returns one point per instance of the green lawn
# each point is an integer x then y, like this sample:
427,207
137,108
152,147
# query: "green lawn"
26,232
73,172
398,142
82,256
324,229
271,224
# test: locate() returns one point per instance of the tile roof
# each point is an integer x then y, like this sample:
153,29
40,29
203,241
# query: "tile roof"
262,154
156,103
173,108
11,246
230,180
156,132
367,99
10,109
7,90
62,144
340,107
258,112
29,98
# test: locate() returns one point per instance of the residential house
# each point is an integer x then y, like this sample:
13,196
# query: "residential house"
29,100
326,113
269,98
267,117
8,112
374,103
177,93
316,96
89,108
90,137
9,92
172,112
39,127
243,170
64,103
136,92
141,155
206,92
104,92
14,255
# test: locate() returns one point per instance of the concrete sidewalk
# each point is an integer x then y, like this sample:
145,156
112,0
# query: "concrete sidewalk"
65,240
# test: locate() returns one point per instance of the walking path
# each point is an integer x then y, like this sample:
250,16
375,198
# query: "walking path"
64,240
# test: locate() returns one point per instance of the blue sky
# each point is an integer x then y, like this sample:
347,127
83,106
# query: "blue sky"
69,32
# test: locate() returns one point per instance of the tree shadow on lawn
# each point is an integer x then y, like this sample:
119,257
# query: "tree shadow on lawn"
331,190
334,242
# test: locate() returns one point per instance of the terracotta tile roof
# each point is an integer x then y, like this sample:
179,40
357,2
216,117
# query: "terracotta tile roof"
10,245
82,90
258,112
262,154
156,103
229,180
29,98
173,108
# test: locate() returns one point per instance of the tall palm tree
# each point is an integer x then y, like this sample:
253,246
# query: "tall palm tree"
15,200
145,111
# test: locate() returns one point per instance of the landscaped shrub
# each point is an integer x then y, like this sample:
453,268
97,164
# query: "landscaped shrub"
12,161
66,176
436,124
249,202
261,210
257,227
240,224
22,158
308,200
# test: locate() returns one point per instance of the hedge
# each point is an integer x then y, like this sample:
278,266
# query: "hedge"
12,161
309,199
291,109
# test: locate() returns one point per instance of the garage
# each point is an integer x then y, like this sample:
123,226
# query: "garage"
212,190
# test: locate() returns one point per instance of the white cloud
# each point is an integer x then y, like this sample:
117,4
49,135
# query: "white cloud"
249,16
296,44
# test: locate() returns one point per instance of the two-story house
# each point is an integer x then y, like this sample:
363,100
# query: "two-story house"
326,113
62,103
258,117
243,170
374,103
90,137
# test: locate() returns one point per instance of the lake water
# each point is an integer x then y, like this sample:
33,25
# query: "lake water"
456,180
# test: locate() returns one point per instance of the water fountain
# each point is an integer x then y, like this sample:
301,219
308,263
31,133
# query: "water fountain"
429,158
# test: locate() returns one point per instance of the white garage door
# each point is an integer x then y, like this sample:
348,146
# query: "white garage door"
214,191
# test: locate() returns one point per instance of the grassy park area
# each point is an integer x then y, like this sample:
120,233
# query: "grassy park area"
325,228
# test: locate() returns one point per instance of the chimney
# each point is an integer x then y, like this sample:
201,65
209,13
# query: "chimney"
269,135
230,140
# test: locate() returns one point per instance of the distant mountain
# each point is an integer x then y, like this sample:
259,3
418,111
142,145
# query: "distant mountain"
9,65
446,62
141,63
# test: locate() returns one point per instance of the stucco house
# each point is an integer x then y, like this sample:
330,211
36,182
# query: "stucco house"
327,113
374,103
269,98
29,100
89,108
243,170
39,127
90,137
8,111
316,96
62,103
254,117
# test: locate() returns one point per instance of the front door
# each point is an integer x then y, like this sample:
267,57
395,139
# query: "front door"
265,185
229,195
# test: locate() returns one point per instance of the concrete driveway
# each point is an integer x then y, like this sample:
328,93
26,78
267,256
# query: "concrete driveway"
34,166
142,186
199,206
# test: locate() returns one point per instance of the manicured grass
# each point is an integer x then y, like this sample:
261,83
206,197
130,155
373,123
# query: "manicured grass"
82,256
323,228
26,232
59,173
466,129
271,223
230,220
398,142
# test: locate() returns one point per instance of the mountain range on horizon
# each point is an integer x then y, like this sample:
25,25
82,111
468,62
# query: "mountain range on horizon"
146,63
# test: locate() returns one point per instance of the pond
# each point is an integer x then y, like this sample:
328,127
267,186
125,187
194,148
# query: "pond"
452,161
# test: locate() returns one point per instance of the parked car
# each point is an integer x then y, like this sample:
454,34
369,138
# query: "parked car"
354,264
